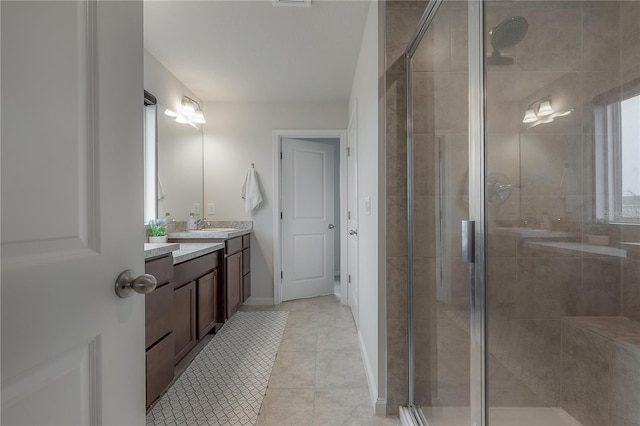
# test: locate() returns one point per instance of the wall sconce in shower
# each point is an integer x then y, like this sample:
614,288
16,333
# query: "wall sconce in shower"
189,113
541,112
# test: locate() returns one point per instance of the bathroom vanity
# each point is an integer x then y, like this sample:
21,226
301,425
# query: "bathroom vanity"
203,279
187,304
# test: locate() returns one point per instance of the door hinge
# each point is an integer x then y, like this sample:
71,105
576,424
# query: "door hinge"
348,215
281,275
349,279
281,156
348,151
280,215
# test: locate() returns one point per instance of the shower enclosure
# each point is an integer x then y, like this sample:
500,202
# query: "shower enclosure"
523,197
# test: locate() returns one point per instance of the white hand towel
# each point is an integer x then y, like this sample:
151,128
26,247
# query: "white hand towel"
251,191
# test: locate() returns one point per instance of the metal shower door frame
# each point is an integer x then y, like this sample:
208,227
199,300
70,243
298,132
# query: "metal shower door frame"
477,208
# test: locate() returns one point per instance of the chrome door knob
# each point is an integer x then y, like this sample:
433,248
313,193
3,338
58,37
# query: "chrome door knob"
126,285
331,226
353,232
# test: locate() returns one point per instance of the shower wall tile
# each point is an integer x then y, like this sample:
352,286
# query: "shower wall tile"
396,228
397,366
631,289
458,18
452,348
397,288
501,246
630,43
451,102
455,163
425,164
396,106
585,375
601,293
624,383
402,19
396,165
424,276
425,369
599,38
502,276
423,102
424,226
503,114
547,287
553,42
434,51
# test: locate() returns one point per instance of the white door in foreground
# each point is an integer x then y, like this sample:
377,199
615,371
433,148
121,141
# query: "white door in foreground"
307,219
72,107
352,217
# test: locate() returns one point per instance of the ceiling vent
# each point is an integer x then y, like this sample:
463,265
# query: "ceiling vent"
305,3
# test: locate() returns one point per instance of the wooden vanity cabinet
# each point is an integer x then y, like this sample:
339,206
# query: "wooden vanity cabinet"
238,272
197,296
159,336
246,267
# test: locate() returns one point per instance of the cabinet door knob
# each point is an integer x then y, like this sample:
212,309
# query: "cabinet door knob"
331,226
353,232
126,285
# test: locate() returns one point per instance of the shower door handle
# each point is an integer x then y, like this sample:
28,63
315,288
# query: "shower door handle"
468,241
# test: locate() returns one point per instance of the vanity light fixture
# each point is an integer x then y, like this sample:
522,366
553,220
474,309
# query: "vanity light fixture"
189,113
530,116
545,108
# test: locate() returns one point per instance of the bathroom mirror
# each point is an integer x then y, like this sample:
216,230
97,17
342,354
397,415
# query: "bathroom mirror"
180,170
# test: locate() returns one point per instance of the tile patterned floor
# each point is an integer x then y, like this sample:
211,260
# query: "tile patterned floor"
226,382
317,377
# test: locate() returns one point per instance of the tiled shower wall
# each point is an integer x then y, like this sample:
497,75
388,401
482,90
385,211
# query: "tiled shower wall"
597,48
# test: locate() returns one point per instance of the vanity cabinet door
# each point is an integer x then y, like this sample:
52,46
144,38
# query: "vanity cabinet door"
159,365
184,320
234,283
207,302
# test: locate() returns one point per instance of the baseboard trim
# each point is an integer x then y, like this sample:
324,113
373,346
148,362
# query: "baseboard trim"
381,407
373,386
257,301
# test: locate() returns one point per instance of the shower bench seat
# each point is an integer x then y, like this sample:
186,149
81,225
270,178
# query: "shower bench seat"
601,369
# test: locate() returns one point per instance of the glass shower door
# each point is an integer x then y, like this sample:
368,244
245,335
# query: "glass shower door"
439,198
562,211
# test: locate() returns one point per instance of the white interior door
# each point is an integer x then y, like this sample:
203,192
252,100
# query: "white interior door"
72,351
307,219
352,215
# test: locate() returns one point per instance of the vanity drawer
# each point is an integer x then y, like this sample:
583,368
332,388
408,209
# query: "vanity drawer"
233,245
192,269
161,268
246,240
159,368
158,314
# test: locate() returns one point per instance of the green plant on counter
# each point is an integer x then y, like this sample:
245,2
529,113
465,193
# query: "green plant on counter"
156,228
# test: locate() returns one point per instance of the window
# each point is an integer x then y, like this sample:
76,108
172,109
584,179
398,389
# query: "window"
617,156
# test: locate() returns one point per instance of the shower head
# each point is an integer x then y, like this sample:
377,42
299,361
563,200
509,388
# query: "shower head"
505,35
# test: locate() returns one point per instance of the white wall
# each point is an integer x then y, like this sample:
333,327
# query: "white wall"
163,85
237,135
364,93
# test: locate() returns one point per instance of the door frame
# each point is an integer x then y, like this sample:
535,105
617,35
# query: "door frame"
352,152
278,135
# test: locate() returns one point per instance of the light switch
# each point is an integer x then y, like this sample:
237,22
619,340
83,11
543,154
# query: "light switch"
367,206
211,208
195,208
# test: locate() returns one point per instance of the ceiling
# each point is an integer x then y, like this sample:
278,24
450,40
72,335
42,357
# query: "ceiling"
253,51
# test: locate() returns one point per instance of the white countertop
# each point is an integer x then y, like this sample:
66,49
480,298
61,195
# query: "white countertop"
190,251
158,249
218,233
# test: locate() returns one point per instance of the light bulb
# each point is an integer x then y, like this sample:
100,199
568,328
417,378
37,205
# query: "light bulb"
188,108
545,109
169,113
198,117
529,116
